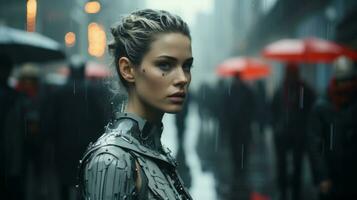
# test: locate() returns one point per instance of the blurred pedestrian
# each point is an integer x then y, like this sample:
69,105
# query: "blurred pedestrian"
11,186
23,141
290,106
28,125
208,126
239,108
217,106
261,115
77,118
333,135
180,121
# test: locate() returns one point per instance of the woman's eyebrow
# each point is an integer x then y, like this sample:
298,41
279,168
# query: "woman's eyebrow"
189,59
174,59
168,57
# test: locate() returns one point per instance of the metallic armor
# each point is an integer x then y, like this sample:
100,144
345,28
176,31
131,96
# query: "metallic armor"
130,150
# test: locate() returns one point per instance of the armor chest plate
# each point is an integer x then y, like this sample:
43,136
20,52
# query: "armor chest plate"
163,181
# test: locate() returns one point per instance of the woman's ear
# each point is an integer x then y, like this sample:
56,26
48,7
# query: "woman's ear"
126,69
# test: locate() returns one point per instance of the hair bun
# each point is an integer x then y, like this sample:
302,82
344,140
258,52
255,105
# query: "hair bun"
112,45
114,31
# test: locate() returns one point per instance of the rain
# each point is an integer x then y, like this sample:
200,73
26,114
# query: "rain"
331,136
269,113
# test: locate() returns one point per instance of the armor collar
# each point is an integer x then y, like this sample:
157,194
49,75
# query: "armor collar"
147,133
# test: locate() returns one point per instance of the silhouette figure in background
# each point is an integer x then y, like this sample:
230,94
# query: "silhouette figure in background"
28,120
180,120
333,135
239,109
226,112
11,184
77,118
205,147
290,108
223,163
261,111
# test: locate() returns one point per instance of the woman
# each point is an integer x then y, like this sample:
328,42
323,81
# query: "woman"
153,58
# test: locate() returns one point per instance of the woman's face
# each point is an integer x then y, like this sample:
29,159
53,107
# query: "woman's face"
163,77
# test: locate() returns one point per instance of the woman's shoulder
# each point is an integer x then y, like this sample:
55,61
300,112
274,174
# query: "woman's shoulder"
107,150
108,145
108,171
113,136
110,157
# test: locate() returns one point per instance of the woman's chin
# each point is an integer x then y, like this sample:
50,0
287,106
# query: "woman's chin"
173,109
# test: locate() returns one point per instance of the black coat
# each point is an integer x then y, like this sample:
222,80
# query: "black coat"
8,97
77,117
333,144
290,108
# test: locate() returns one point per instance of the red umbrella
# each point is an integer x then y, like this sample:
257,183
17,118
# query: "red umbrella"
244,67
309,50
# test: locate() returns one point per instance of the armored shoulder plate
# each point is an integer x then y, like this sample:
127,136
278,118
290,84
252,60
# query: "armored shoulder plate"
109,173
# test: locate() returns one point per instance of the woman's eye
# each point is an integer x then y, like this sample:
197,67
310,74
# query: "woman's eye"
187,67
164,66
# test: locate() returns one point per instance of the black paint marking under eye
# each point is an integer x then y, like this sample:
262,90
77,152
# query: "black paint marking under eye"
143,70
163,74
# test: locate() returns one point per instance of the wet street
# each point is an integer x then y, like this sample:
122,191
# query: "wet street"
261,171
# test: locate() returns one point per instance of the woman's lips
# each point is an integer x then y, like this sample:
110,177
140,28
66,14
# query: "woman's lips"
177,98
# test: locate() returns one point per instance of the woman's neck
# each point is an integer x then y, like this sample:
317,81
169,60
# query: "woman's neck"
136,106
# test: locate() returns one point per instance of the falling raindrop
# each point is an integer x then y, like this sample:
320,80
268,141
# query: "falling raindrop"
287,108
331,136
86,90
106,128
301,99
216,138
122,107
242,163
74,86
25,121
229,89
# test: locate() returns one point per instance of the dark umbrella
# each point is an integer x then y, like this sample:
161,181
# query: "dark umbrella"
24,46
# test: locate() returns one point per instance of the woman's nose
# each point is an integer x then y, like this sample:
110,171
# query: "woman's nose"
181,77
